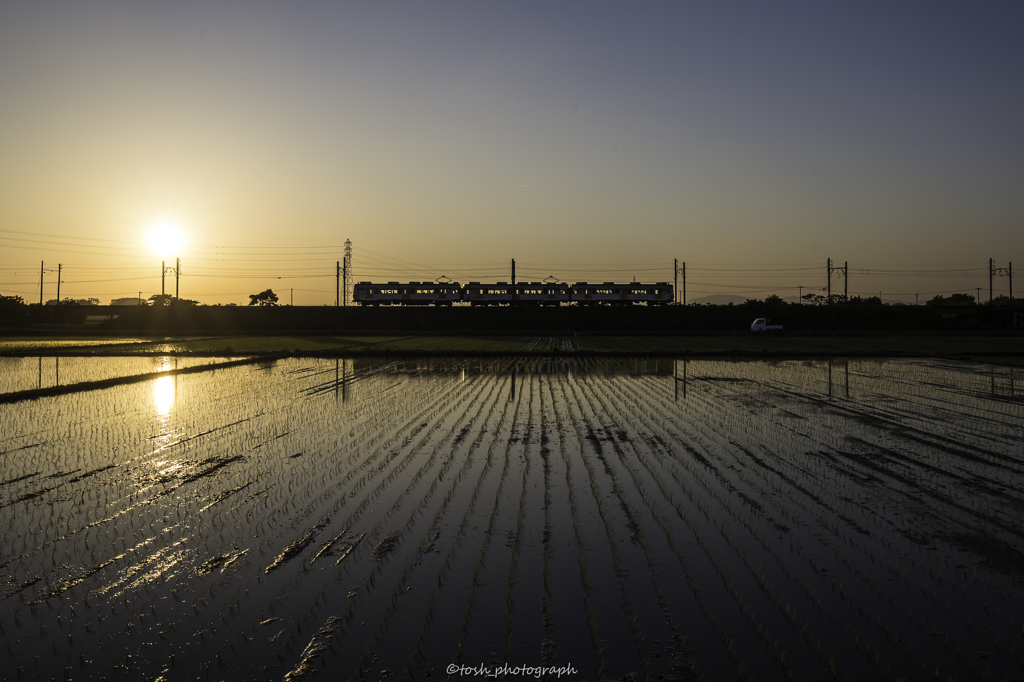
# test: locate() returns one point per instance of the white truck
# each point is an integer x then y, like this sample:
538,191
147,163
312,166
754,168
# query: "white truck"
761,324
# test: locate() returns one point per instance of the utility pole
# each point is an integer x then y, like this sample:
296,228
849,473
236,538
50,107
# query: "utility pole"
684,282
346,271
829,288
977,299
800,295
40,282
916,299
337,283
163,277
293,298
675,272
844,270
59,268
513,281
993,271
177,275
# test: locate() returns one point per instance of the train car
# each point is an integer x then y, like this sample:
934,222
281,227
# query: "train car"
538,293
411,293
610,293
659,293
477,294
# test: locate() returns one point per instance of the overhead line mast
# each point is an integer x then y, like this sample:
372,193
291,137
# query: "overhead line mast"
346,271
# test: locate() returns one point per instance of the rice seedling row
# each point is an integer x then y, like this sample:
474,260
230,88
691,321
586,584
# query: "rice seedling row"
317,519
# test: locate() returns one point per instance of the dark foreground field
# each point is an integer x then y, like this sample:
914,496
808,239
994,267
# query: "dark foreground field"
633,518
1003,348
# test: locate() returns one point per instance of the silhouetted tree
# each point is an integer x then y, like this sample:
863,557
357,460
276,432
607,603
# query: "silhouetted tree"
267,297
952,299
160,299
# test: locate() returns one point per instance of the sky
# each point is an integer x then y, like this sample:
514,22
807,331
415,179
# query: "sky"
590,141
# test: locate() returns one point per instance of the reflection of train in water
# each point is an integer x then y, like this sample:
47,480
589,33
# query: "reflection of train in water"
503,293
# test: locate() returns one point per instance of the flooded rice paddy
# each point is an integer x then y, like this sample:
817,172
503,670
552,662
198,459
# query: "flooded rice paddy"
648,519
25,374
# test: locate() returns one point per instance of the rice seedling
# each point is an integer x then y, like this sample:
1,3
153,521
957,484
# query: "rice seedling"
762,526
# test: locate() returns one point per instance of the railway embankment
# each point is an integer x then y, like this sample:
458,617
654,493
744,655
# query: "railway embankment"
691,319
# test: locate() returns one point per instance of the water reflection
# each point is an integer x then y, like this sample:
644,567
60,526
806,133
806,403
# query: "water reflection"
164,389
749,473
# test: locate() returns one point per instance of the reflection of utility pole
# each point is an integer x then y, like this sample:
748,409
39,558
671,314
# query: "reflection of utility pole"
677,380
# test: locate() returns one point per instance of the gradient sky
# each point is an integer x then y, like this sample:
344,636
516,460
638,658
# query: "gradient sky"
587,140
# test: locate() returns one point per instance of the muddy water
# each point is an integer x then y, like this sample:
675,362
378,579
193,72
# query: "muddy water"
329,519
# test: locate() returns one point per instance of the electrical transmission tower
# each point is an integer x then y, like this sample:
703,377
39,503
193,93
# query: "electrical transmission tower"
839,270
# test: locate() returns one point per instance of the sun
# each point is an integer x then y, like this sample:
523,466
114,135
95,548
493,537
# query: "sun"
166,239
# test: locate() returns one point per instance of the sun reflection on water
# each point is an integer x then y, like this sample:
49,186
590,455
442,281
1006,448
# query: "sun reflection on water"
163,395
164,390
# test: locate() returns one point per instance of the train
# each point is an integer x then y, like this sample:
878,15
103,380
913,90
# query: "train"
503,293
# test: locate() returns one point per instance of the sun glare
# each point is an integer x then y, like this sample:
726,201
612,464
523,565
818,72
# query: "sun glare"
166,239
